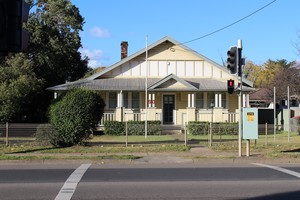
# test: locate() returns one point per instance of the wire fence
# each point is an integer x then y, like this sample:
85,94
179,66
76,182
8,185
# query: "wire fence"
18,132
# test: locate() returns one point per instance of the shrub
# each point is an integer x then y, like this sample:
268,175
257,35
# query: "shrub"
218,128
114,128
74,116
138,127
198,128
134,128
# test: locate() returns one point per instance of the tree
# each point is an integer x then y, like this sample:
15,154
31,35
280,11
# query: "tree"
74,116
264,75
253,72
53,53
55,40
289,76
18,84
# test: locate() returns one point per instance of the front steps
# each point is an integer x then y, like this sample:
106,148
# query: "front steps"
171,129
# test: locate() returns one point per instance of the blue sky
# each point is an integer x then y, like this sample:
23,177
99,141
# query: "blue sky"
271,33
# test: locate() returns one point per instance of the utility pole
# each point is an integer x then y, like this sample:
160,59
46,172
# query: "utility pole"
146,91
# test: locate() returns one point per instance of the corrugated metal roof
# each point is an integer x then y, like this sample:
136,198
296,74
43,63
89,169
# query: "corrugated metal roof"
138,84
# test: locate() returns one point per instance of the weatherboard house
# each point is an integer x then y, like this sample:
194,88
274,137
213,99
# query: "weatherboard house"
165,81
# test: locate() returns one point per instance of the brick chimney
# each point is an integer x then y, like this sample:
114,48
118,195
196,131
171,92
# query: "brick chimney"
124,49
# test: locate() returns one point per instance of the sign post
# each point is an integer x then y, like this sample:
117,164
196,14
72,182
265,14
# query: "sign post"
250,126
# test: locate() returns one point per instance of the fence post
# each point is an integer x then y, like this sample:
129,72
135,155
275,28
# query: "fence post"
185,135
210,135
266,131
126,131
6,134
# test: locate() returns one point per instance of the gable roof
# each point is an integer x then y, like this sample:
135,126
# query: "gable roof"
155,44
170,82
167,82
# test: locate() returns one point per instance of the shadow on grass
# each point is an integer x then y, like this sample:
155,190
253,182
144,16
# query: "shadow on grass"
291,151
35,150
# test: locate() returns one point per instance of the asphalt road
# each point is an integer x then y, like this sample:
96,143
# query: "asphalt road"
213,181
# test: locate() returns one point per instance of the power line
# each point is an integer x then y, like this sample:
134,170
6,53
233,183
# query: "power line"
225,27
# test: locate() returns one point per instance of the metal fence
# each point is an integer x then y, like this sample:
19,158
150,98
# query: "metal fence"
10,130
18,129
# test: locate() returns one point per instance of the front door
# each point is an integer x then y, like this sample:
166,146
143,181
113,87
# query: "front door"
168,107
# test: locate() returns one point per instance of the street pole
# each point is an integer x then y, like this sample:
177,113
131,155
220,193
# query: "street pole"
289,112
240,74
274,104
146,90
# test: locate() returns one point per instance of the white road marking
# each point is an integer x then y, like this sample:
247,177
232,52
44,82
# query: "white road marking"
69,187
287,171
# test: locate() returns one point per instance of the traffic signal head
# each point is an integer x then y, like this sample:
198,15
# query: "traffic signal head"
230,86
232,62
13,38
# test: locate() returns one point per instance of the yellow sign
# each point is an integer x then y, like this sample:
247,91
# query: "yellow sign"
250,116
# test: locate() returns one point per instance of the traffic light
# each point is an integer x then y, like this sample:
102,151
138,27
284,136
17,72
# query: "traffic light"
232,62
230,86
13,13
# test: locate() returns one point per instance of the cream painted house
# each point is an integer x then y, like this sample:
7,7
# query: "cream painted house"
182,85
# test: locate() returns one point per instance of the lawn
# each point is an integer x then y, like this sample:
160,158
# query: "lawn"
115,146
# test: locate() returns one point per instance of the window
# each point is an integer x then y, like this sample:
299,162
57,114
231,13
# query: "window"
112,102
199,100
223,100
135,100
210,99
125,99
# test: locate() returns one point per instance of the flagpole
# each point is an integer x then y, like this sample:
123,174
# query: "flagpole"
274,105
289,111
146,90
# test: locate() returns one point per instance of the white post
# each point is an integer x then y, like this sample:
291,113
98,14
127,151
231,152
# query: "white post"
244,100
189,100
216,100
248,148
193,100
241,118
120,99
153,100
149,100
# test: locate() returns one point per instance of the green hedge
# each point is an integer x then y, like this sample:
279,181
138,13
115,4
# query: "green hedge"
198,128
218,128
134,128
138,127
223,128
114,128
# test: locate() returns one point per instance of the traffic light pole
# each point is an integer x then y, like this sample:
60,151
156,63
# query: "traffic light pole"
240,74
241,115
